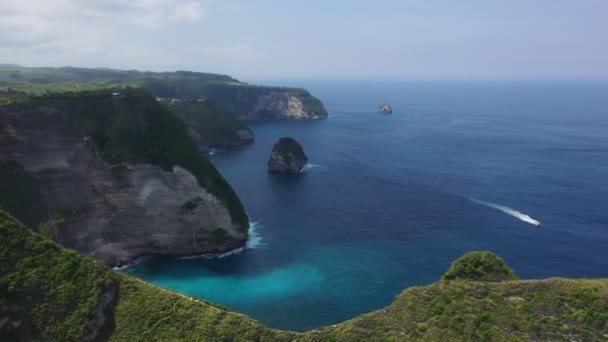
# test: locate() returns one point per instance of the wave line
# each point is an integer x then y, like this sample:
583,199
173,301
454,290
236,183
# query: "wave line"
507,210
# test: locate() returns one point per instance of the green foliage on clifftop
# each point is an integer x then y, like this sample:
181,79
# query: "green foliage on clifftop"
480,265
48,293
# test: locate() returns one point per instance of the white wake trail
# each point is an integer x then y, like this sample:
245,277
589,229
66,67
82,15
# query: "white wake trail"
309,166
507,210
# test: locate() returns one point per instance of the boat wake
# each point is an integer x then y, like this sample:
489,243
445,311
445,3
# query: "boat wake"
309,166
507,210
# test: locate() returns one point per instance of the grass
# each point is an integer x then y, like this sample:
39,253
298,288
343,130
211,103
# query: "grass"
54,293
50,290
481,266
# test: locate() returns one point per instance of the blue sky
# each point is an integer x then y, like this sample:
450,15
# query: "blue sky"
406,39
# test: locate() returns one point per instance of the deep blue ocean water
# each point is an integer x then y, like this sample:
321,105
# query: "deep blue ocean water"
391,200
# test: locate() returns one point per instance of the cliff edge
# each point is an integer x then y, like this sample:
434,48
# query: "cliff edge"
115,177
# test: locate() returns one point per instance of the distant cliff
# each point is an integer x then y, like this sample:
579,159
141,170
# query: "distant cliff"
248,102
210,124
258,103
115,177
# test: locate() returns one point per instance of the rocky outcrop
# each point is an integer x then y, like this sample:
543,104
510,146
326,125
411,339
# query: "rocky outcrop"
287,157
259,103
385,108
113,212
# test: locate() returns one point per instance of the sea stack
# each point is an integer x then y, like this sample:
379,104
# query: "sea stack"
287,157
385,108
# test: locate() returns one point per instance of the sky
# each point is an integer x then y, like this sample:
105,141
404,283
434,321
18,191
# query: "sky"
331,39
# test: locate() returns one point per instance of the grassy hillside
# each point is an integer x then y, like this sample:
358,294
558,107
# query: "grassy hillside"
48,293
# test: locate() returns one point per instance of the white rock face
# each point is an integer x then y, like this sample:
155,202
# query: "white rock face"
279,105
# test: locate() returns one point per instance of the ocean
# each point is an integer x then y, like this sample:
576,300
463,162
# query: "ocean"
390,201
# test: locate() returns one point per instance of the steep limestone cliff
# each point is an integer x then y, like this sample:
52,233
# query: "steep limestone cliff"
248,102
258,103
110,200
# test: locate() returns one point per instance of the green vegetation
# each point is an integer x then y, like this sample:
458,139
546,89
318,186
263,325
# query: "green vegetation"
135,128
54,294
48,293
217,125
310,103
481,266
51,291
237,96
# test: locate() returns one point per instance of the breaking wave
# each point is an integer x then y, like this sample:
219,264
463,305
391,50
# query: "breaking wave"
507,210
255,239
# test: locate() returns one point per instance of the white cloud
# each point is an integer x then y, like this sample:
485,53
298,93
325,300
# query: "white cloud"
83,26
187,12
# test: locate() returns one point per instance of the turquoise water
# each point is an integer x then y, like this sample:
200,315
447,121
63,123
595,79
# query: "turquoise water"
391,200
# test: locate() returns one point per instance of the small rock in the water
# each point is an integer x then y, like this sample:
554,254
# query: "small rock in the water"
385,108
287,157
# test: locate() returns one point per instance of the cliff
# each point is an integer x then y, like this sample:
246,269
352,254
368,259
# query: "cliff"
287,156
259,103
114,177
211,124
48,293
247,102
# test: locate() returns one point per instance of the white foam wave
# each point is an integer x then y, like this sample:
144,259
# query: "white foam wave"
254,241
309,166
507,210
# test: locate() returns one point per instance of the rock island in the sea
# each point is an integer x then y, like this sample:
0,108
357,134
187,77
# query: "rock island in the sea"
385,108
287,156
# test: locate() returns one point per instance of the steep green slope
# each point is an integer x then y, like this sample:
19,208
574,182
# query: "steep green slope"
48,293
217,126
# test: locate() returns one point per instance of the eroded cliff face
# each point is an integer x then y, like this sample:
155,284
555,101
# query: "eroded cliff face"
260,103
280,105
114,213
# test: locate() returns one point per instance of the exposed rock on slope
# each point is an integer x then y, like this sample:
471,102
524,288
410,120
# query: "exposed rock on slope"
287,157
118,178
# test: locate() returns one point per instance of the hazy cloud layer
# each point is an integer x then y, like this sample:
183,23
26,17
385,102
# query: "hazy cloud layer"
358,39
